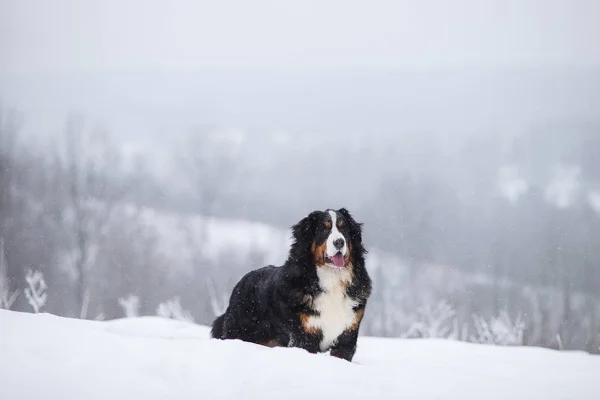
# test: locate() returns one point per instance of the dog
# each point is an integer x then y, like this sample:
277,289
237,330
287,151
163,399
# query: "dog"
315,301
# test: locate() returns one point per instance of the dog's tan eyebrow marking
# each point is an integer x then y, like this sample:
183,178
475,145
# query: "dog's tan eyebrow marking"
327,224
340,223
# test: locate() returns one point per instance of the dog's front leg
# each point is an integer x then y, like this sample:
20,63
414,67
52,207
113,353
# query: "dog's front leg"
345,346
310,343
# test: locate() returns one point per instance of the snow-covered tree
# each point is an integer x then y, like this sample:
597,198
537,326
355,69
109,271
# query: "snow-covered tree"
172,309
433,322
7,298
130,305
36,292
501,330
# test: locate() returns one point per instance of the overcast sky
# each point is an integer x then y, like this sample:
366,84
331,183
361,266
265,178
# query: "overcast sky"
148,70
151,72
66,35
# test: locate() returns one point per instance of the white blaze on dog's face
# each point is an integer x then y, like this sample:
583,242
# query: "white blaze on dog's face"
337,245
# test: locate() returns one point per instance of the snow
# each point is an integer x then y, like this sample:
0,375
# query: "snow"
45,356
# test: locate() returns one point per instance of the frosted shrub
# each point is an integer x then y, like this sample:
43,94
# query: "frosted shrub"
172,309
6,297
36,292
501,330
130,306
434,322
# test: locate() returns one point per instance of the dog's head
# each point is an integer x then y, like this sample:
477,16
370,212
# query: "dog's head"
333,237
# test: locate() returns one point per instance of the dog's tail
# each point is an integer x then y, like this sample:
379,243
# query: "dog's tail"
217,327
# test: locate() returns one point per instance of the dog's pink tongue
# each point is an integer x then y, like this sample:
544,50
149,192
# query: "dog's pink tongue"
338,260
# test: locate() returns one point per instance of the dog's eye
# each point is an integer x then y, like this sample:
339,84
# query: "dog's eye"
327,224
340,224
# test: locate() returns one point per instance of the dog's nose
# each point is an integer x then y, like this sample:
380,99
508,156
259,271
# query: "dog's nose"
338,243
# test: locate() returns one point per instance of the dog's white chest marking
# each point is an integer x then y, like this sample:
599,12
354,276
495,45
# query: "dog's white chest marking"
335,308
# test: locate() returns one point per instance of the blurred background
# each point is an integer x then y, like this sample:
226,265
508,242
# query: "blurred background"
152,153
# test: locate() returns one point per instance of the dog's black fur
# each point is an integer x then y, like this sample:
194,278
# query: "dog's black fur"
270,305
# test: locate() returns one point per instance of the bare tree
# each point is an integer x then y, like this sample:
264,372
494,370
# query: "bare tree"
7,297
9,128
213,173
89,158
131,261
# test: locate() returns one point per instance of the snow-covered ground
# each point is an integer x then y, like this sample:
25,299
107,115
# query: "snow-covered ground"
43,356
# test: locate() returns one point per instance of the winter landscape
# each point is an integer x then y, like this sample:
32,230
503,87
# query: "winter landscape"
151,155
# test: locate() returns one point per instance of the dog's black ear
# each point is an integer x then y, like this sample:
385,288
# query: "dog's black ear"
305,228
355,228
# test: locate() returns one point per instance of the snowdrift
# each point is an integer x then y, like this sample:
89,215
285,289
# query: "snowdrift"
43,356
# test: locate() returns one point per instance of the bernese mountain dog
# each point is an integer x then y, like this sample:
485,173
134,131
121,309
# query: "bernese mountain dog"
315,301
